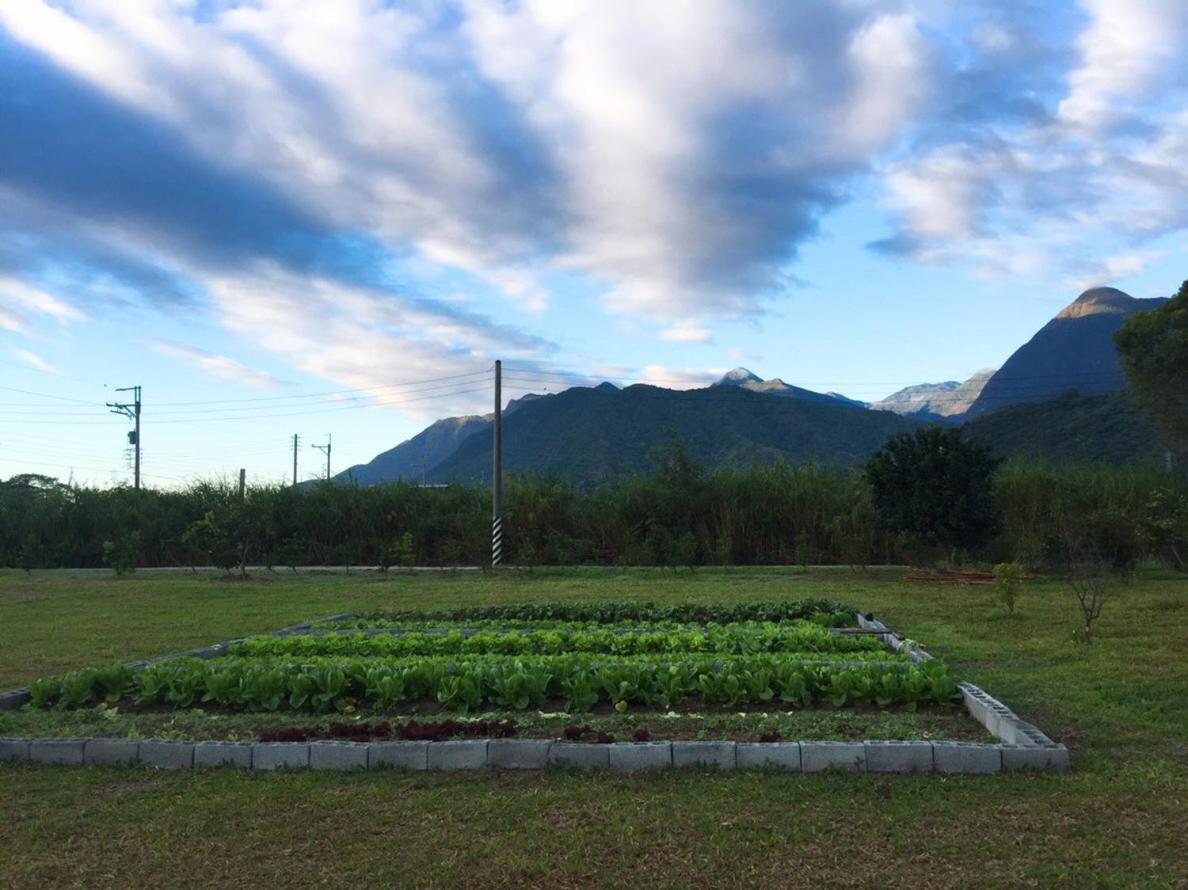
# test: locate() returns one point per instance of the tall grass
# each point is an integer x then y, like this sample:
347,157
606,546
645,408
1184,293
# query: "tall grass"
778,514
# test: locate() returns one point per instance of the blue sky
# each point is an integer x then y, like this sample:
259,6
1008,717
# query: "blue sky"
291,217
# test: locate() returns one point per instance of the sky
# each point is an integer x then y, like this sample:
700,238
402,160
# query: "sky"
330,217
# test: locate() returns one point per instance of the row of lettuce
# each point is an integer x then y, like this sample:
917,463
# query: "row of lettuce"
733,639
824,612
579,683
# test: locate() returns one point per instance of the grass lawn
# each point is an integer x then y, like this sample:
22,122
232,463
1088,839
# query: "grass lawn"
1120,818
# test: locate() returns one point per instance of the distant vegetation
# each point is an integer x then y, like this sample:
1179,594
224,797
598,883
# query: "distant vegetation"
678,515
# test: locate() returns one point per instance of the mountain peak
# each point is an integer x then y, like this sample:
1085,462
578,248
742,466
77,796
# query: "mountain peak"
739,377
1099,301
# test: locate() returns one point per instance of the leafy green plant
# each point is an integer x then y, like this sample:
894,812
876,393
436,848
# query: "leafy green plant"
1008,580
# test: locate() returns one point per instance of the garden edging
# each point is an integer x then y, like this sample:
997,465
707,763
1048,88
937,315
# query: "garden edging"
1021,746
874,756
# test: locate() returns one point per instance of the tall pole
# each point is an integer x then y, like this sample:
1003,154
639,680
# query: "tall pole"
497,473
295,439
325,449
137,470
132,412
242,482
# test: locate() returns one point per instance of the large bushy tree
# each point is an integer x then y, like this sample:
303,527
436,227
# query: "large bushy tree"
1153,352
935,484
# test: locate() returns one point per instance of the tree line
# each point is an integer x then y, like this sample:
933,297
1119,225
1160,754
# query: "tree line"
679,515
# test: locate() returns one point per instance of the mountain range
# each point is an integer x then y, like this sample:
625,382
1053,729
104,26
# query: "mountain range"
1058,396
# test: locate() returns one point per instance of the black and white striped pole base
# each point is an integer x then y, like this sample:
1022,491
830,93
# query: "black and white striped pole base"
496,540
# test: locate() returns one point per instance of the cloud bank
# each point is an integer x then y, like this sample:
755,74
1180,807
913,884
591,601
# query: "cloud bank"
305,171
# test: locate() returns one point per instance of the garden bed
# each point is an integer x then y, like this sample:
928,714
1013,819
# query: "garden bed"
569,675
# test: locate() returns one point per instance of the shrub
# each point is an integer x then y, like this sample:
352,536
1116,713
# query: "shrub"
1008,578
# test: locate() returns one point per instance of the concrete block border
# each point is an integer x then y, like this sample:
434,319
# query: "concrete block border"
1022,746
1015,734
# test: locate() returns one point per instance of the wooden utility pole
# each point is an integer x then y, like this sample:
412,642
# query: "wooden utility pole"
242,482
497,473
296,439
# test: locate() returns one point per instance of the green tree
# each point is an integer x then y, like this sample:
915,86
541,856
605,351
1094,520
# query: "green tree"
934,484
1153,352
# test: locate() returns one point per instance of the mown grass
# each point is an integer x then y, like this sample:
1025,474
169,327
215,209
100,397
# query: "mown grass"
1118,819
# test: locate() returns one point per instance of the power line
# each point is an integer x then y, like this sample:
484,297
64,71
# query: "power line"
310,395
47,395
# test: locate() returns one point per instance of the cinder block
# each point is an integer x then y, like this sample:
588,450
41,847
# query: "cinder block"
57,752
966,758
167,755
579,755
458,754
398,755
10,701
1030,734
110,752
631,757
14,750
768,755
518,753
280,755
816,757
337,755
716,754
899,757
236,754
1016,758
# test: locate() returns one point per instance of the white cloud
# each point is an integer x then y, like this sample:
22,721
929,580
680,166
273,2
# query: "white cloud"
14,291
1111,269
1128,48
687,334
367,339
221,366
695,138
33,360
679,378
10,321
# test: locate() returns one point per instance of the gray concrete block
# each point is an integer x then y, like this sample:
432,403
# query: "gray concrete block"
518,753
716,754
167,755
898,757
16,698
337,755
816,757
280,755
631,757
14,750
1016,758
1030,734
398,755
768,755
458,754
579,755
966,758
110,752
57,752
235,754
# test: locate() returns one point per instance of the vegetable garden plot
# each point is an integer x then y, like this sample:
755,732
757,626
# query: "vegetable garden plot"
521,665
579,658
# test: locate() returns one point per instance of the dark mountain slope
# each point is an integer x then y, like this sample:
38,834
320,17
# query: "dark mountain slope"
1074,351
593,435
414,458
1070,429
